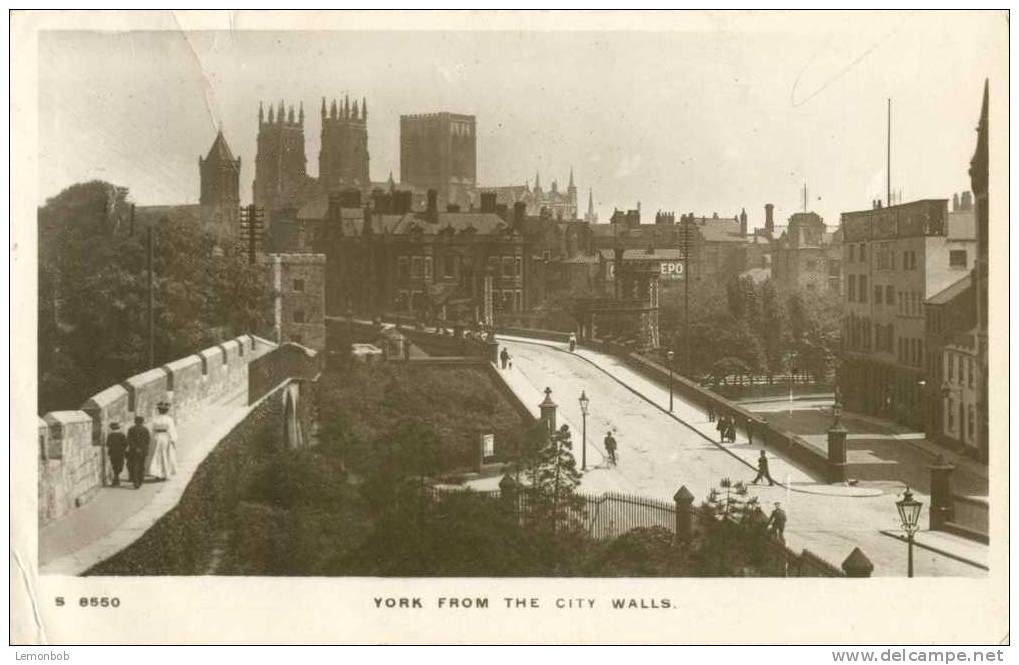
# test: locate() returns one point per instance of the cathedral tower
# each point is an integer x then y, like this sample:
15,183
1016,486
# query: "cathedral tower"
343,159
280,165
220,196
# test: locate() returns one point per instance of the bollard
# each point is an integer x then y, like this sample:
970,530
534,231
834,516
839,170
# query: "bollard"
942,506
837,454
684,513
548,410
857,564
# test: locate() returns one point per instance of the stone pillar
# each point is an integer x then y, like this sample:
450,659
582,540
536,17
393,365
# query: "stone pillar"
492,347
857,564
942,507
837,454
508,494
684,513
548,411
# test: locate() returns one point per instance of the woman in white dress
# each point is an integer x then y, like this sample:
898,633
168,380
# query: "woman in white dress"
164,434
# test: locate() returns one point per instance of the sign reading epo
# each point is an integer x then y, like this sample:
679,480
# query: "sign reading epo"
672,269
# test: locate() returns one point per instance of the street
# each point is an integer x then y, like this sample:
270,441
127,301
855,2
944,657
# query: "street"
658,453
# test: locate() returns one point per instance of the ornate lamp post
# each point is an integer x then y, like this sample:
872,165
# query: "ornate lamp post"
909,513
584,403
669,355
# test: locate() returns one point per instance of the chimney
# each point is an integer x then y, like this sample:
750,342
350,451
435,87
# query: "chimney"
955,202
769,219
967,201
488,202
432,212
519,212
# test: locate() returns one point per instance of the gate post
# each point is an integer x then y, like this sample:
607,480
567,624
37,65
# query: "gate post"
684,510
548,411
942,506
837,453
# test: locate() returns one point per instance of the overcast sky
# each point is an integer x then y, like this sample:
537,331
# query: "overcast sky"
715,114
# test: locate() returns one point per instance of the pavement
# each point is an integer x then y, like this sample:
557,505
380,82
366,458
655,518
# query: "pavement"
117,516
658,452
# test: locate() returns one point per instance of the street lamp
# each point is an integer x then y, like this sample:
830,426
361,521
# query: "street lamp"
909,513
836,409
584,403
669,354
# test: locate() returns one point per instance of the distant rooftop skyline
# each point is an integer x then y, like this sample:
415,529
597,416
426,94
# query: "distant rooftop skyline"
688,120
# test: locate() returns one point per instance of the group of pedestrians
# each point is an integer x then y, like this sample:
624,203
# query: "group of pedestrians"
137,450
726,429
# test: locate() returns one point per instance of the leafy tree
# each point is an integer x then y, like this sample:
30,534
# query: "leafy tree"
93,293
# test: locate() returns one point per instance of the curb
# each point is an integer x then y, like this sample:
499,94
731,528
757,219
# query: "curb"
936,550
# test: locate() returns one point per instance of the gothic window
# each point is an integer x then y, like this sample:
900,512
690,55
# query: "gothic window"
507,266
449,266
851,290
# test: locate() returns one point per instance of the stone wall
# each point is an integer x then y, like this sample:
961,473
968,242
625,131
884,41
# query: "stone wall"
72,460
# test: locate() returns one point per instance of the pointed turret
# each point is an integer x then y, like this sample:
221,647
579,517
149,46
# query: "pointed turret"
290,114
364,108
355,113
323,108
537,181
272,114
590,203
261,114
346,106
332,110
300,113
220,151
281,114
571,186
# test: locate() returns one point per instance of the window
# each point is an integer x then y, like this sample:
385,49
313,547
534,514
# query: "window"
298,285
951,367
415,267
878,291
519,299
298,316
507,266
863,288
520,266
957,258
851,289
493,264
507,301
449,266
428,268
969,371
401,268
863,251
890,294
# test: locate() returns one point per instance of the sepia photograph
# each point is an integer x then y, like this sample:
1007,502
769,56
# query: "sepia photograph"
456,312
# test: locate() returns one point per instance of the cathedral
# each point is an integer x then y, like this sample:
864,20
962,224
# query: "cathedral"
281,175
555,202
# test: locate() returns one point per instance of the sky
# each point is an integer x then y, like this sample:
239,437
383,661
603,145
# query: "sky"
704,113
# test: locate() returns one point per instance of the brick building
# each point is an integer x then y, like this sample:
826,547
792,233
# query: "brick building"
894,259
298,287
806,256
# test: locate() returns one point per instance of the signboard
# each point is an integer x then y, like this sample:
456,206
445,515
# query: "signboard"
671,270
487,445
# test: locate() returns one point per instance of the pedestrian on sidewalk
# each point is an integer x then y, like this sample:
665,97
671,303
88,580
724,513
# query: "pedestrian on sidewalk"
762,470
610,447
711,413
721,427
164,461
137,451
116,448
573,342
504,357
776,523
750,431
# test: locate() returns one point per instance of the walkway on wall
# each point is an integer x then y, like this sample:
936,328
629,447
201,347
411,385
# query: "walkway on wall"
117,516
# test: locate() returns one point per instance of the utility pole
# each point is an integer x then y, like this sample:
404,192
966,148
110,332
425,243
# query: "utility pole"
687,221
151,307
251,230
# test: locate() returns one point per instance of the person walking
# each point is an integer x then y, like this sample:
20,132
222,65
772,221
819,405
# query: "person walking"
137,451
776,523
721,428
504,357
750,431
573,342
116,448
610,447
762,470
711,413
164,459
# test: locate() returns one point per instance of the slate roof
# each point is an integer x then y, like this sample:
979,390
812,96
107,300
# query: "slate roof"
220,151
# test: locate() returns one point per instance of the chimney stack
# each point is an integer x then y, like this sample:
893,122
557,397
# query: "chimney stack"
769,219
966,203
432,212
488,202
519,212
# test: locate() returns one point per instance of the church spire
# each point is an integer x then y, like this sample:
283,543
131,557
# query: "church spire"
572,186
346,106
355,113
323,108
364,108
332,110
272,114
537,181
300,113
590,203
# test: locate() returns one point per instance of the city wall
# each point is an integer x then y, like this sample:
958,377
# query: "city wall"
72,456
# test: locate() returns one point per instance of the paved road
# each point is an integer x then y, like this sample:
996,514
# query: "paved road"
659,453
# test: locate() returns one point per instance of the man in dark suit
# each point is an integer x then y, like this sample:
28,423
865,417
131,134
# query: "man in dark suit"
138,438
116,448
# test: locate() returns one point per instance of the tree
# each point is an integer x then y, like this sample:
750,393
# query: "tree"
93,328
553,483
